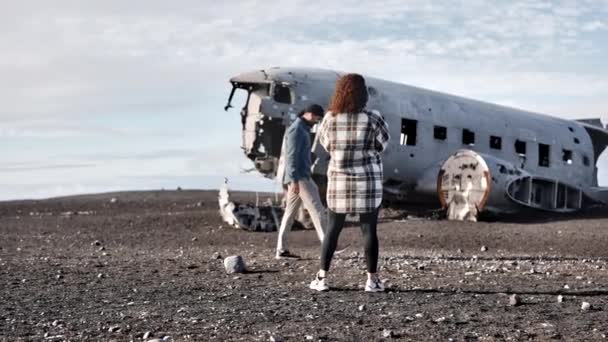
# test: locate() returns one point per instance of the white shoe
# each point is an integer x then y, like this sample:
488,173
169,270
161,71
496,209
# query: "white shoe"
374,285
319,284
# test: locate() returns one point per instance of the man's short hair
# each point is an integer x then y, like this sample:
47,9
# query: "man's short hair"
315,109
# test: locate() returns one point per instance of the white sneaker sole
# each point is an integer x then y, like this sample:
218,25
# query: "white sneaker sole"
318,288
279,257
369,289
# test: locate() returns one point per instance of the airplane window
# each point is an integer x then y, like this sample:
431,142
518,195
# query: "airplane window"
468,137
586,160
440,132
408,132
567,156
520,147
495,142
282,94
543,155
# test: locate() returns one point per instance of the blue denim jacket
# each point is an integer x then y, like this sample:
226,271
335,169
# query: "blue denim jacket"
297,148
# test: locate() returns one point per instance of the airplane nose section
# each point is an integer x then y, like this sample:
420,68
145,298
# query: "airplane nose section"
258,76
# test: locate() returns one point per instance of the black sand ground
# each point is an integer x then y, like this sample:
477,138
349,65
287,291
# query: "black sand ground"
88,268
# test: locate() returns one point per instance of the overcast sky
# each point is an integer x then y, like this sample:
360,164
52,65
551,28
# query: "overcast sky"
112,95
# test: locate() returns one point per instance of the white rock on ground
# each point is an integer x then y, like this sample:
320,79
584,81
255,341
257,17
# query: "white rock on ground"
514,300
388,333
234,264
585,306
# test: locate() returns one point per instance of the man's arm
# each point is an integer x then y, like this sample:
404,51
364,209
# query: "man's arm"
291,155
292,162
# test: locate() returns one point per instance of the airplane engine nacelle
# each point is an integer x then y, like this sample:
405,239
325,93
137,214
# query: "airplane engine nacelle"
469,182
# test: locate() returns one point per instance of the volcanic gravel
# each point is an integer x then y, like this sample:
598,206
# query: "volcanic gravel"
149,265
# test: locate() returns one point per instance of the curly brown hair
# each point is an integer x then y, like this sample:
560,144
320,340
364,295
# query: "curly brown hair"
350,95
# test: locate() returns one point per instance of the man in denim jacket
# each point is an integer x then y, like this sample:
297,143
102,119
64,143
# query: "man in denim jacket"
301,189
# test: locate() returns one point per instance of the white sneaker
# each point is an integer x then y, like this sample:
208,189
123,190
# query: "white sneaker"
374,285
319,284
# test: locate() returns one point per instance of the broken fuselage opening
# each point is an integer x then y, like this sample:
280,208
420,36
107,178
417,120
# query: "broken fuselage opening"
264,117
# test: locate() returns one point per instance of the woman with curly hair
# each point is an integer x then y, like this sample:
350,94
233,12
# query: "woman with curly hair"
355,139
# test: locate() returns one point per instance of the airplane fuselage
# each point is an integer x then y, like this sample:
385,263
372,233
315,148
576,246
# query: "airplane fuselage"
427,127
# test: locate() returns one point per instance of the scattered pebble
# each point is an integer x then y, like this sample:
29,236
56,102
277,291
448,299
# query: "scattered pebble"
113,200
216,256
114,328
560,299
484,249
147,335
585,306
361,307
388,333
274,338
514,300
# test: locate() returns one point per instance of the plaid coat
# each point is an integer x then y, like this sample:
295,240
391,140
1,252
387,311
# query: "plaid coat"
354,142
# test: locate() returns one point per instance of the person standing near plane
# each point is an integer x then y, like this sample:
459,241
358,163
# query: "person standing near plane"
301,189
355,139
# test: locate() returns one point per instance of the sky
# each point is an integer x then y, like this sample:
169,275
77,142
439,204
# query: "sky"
100,96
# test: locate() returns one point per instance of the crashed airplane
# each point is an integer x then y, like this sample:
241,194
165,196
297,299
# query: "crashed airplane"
465,155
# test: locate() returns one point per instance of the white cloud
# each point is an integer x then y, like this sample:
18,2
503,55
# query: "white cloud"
594,26
110,57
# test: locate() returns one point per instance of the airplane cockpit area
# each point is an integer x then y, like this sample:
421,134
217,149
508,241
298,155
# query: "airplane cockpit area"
274,98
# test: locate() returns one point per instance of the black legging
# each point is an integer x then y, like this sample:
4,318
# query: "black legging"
369,222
